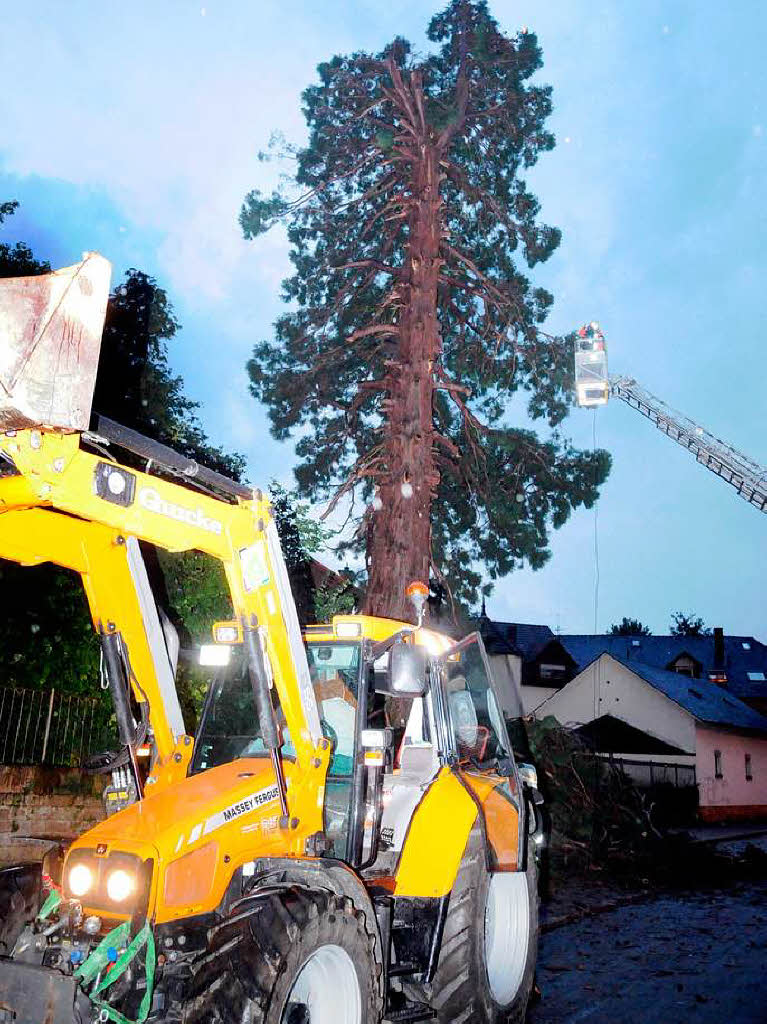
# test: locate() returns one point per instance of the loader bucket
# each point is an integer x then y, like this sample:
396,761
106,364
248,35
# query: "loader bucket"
50,336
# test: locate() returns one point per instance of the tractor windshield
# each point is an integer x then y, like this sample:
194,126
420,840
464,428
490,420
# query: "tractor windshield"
229,728
335,670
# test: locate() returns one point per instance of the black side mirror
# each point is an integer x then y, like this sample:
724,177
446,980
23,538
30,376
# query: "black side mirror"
406,675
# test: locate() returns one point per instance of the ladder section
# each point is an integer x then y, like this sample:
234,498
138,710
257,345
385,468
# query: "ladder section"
734,467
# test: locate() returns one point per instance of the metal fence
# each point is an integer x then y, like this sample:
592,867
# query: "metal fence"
51,727
646,774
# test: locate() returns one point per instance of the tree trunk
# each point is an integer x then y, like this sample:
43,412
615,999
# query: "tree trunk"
399,537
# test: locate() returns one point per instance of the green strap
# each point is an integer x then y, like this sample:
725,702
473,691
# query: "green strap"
142,938
98,959
54,898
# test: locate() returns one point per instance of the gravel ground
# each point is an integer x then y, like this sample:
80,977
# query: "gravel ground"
699,957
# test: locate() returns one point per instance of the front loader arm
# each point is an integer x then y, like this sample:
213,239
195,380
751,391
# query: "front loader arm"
111,571
58,475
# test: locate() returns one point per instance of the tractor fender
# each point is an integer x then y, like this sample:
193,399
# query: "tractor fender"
314,873
436,838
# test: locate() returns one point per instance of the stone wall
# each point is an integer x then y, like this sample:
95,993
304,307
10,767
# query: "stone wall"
39,803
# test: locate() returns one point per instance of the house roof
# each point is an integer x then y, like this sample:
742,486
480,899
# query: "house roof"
525,639
705,701
742,654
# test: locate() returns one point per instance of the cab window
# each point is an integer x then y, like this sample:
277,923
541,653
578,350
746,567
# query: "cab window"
335,673
476,725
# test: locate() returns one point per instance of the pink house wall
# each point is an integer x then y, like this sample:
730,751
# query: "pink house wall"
732,796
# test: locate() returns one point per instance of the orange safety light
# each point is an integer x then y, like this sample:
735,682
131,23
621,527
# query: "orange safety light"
418,591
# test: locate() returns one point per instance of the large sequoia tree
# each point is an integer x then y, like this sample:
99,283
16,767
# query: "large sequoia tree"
413,325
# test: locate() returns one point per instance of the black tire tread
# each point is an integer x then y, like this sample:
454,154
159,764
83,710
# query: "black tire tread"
460,991
252,956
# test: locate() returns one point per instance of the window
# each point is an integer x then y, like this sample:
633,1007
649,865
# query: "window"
230,727
635,643
685,666
746,647
718,773
335,673
756,677
475,718
552,672
749,773
717,676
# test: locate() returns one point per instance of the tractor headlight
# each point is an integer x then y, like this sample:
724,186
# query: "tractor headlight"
104,882
80,880
120,885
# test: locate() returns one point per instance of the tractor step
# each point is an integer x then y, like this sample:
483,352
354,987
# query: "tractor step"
417,1011
397,970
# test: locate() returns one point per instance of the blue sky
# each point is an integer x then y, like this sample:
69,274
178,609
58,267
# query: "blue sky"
134,129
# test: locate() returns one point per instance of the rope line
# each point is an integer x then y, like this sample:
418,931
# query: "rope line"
596,527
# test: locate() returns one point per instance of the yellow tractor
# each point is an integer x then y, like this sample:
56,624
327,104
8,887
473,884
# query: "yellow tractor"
301,859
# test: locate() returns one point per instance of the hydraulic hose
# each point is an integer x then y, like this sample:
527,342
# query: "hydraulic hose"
118,688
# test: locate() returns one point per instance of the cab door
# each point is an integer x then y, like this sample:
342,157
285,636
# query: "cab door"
480,749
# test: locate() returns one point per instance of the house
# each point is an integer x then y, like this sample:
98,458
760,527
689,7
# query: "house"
684,710
541,662
688,731
736,663
514,648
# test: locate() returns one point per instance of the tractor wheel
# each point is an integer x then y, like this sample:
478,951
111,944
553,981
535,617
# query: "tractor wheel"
302,957
486,967
19,902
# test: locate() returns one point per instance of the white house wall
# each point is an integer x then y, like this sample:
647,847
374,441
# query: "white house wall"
534,696
507,672
608,688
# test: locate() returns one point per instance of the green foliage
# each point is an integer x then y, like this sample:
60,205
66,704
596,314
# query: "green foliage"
336,599
310,535
629,627
17,260
46,635
196,588
8,209
687,624
328,371
259,214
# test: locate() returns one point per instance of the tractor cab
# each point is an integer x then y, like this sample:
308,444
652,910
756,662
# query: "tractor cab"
397,704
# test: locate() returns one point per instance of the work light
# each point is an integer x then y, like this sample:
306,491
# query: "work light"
120,885
80,880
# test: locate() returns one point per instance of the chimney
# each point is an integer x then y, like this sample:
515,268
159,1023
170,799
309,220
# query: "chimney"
718,647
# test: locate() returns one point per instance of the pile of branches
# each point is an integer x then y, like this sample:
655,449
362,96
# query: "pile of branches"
598,817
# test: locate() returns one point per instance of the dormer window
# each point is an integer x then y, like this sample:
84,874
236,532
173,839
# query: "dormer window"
552,673
718,676
685,666
756,677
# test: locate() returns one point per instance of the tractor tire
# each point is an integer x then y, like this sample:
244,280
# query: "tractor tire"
301,956
19,902
486,968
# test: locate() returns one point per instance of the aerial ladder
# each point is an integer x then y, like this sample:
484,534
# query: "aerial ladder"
593,388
